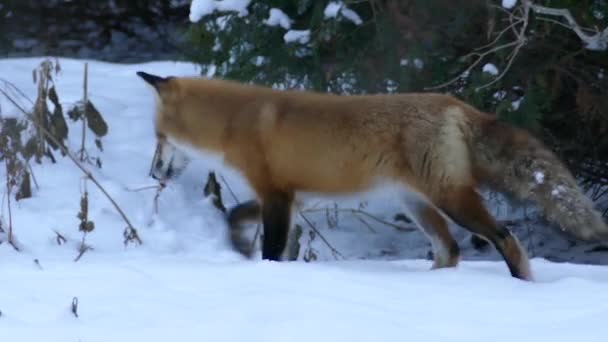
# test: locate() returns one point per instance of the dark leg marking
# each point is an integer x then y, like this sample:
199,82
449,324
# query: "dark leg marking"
276,212
467,210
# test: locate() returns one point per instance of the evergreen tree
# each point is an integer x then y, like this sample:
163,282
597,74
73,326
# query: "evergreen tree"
536,73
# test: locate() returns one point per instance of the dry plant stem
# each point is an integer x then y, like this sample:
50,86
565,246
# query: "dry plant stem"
365,223
84,115
60,238
148,187
160,188
38,117
13,87
365,213
86,172
82,249
229,189
334,251
29,167
10,214
256,236
83,246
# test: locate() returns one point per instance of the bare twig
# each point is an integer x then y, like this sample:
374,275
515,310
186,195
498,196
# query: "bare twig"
11,240
158,187
519,20
334,251
60,238
161,186
82,249
521,40
147,187
595,42
84,115
256,236
11,86
29,167
499,35
130,231
229,189
364,213
365,223
479,57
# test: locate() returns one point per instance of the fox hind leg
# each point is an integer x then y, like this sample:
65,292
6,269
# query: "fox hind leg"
465,207
446,252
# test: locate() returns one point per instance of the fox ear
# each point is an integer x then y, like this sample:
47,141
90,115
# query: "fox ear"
153,80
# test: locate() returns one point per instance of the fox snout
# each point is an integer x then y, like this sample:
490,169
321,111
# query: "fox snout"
168,162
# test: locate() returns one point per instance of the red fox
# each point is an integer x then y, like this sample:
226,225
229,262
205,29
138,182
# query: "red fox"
433,147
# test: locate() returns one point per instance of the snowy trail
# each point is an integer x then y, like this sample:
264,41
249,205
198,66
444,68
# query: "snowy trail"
166,299
184,283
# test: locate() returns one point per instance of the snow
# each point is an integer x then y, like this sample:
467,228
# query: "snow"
515,104
539,177
278,18
509,3
558,190
186,283
191,299
500,95
351,15
490,69
201,8
417,62
299,36
334,8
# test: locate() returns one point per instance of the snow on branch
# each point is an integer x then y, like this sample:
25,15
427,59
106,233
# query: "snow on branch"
596,42
201,8
519,18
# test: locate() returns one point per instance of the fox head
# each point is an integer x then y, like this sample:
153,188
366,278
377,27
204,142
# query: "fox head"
168,161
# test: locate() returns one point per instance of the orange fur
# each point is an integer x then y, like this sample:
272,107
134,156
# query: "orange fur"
285,142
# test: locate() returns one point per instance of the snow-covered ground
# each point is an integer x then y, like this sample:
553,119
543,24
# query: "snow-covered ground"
185,283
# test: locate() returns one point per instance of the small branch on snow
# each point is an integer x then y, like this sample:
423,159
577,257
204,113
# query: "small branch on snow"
11,238
74,307
229,189
59,238
84,115
147,187
364,213
334,251
83,248
158,187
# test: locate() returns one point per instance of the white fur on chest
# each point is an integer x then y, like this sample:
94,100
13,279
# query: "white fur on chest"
212,158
